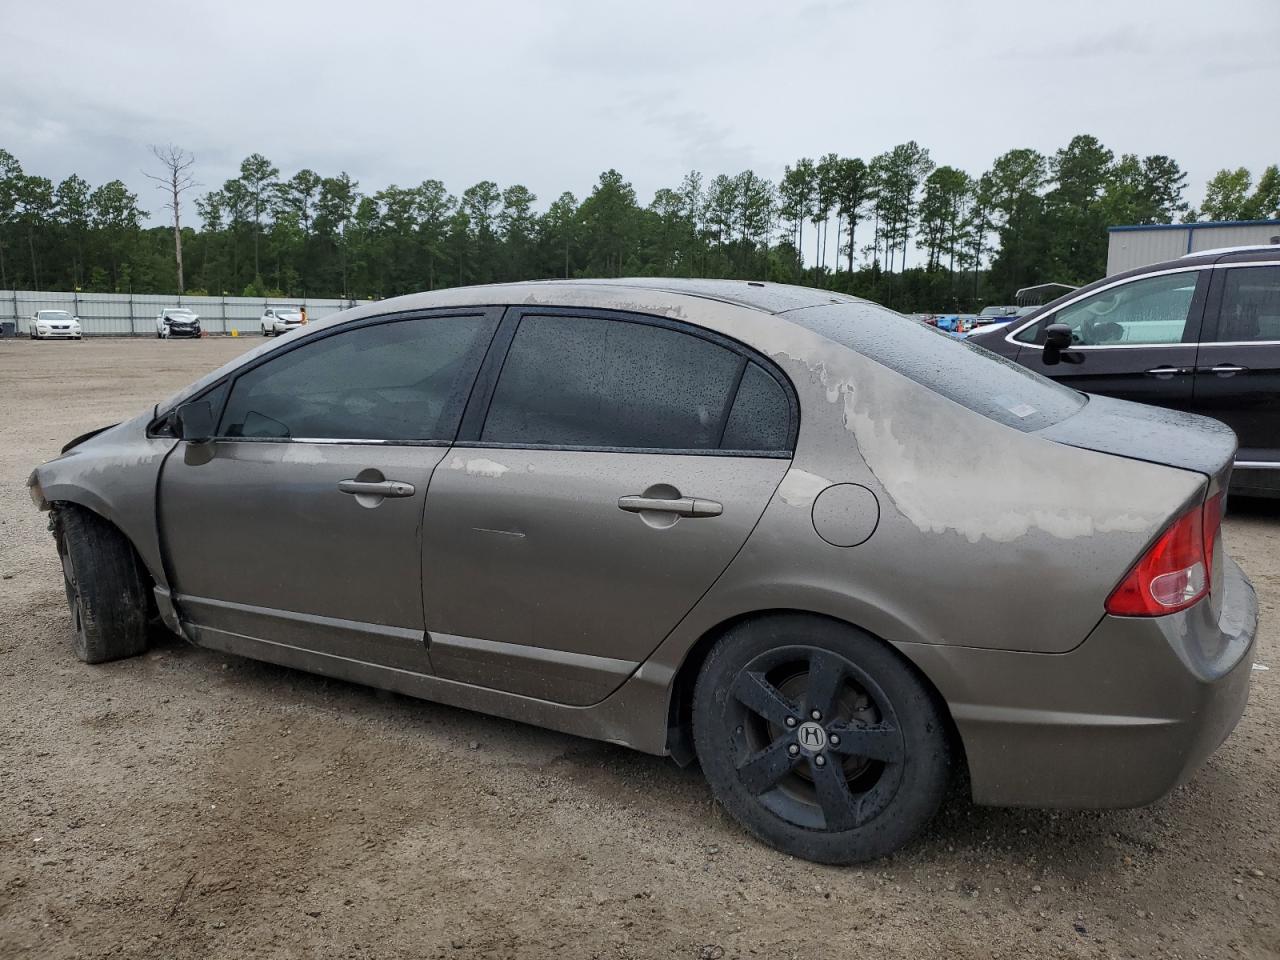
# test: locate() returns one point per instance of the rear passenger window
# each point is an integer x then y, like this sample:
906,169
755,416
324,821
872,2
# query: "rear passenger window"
761,416
597,382
1250,305
400,381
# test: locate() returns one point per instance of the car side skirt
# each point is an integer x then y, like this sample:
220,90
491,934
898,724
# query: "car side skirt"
621,719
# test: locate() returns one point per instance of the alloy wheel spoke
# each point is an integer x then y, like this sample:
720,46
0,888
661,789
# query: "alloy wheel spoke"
763,769
839,806
875,741
826,676
762,697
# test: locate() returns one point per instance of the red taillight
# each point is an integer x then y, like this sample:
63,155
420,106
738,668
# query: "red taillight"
1212,524
1176,571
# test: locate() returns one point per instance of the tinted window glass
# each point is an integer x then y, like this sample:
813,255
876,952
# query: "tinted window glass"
1250,305
760,419
586,381
406,380
961,371
1152,310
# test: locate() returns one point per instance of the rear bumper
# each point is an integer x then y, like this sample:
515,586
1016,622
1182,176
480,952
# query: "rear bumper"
1117,722
1255,480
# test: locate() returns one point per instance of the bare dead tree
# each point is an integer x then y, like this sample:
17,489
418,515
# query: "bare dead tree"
175,181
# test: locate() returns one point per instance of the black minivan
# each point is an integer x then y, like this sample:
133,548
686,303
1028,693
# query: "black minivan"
1201,333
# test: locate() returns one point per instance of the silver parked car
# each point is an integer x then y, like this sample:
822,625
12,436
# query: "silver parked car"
277,320
177,322
827,551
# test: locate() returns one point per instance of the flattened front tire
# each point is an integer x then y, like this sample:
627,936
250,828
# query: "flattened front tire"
105,584
820,739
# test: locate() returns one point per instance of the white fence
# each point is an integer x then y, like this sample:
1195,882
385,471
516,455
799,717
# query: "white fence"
126,315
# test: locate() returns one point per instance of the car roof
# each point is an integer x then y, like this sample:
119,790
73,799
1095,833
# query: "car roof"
616,293
1244,248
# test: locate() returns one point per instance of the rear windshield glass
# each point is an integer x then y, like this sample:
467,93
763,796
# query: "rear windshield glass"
961,371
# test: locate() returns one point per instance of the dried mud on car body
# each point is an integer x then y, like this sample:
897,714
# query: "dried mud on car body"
188,804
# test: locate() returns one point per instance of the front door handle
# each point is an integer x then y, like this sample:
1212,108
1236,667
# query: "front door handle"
377,488
681,506
1163,373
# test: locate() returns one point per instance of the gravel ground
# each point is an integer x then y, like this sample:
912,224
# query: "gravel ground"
189,804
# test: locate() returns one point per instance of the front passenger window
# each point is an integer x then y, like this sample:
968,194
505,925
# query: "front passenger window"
406,380
1150,310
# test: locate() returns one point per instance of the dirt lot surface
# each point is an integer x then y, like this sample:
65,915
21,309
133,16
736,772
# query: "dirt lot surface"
190,804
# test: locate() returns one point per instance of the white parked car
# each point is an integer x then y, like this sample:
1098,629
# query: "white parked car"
278,320
54,325
177,322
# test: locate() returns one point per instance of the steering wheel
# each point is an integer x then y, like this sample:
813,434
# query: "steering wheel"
1099,330
1103,306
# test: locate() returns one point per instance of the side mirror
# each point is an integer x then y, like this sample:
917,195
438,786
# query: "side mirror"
195,422
1057,337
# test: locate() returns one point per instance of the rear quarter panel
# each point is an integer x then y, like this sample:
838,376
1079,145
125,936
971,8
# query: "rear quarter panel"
987,536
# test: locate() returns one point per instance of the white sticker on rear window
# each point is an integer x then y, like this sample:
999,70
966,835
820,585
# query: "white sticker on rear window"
1017,408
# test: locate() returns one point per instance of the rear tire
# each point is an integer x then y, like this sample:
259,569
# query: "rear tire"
106,587
820,739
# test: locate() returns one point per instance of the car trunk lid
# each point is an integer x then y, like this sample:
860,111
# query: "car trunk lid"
1152,434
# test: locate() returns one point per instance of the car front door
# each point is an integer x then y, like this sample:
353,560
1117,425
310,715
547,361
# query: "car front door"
1238,370
1135,340
602,481
300,523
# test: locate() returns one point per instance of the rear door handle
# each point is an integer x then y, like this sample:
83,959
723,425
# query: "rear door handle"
1227,370
681,507
1164,373
377,488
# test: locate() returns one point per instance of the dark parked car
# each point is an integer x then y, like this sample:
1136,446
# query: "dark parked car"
693,517
1201,333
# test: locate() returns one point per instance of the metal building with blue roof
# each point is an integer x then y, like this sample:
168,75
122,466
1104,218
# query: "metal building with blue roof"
1141,244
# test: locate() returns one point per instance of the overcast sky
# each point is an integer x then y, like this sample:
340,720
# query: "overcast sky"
551,93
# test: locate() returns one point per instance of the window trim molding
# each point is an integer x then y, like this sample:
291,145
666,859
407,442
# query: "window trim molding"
653,451
477,411
336,441
1200,294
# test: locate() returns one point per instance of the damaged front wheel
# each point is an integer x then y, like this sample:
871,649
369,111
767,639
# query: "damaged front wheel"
105,584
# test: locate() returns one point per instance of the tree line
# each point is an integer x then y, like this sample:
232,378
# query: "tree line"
843,223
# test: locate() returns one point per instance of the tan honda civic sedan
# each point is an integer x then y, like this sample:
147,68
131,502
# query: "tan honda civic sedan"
831,554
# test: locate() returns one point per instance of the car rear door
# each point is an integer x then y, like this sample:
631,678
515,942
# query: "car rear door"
1136,339
608,469
300,523
1237,376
